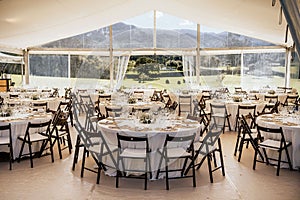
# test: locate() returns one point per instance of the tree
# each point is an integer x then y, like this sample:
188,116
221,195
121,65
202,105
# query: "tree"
147,68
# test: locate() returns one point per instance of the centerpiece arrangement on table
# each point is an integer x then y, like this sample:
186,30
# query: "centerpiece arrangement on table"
131,100
145,118
237,98
6,112
35,97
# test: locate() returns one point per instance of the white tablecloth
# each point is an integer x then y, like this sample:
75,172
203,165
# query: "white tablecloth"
52,102
155,132
232,108
18,127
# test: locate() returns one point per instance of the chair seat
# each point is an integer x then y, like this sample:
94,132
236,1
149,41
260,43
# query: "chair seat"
35,137
4,140
272,144
290,104
197,146
134,153
96,148
207,111
253,134
94,118
62,133
218,115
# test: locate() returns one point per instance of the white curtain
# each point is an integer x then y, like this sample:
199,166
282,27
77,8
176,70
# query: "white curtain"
189,71
120,70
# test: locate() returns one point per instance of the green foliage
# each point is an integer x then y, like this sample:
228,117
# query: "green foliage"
174,64
144,60
90,67
10,68
146,68
131,65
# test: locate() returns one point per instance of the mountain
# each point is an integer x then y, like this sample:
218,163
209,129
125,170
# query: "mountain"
130,36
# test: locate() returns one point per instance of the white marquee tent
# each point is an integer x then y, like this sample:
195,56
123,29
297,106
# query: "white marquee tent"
29,23
4,58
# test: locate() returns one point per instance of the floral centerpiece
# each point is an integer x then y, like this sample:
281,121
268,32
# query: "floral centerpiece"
145,118
271,91
35,97
237,99
131,100
294,91
101,91
6,112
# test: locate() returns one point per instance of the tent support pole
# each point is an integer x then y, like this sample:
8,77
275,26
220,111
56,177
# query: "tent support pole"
111,67
26,66
288,57
198,56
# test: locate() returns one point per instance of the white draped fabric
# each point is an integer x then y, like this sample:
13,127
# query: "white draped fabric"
120,71
189,70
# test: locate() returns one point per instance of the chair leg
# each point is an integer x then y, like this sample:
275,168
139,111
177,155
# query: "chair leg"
117,178
167,174
146,177
150,171
118,172
209,168
58,145
71,118
255,157
98,172
237,141
288,158
75,159
193,170
21,150
241,146
51,149
83,162
236,122
159,166
278,164
214,158
11,157
184,166
266,156
30,154
70,146
229,127
221,157
69,140
200,163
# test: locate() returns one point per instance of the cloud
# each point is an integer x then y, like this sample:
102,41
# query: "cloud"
159,14
186,23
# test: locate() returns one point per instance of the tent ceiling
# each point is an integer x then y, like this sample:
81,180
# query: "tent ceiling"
34,22
4,58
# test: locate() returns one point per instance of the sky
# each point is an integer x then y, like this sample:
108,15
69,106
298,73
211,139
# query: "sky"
165,21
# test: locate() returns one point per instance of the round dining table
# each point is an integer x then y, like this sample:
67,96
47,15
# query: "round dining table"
290,124
156,132
232,107
19,120
52,102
